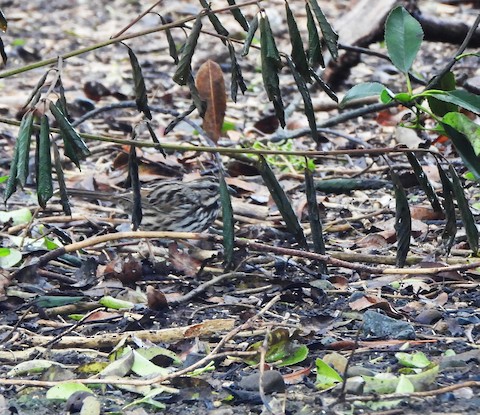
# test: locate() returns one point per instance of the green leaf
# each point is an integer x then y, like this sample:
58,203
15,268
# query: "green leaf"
238,16
219,28
251,33
307,100
464,99
172,48
198,102
403,220
134,181
16,216
116,304
329,91
283,204
3,54
228,228
464,149
315,55
416,360
184,69
140,90
155,139
424,182
271,63
465,212
3,22
314,218
366,89
62,188
326,376
440,108
237,77
64,390
298,54
75,148
44,164
403,36
330,36
465,126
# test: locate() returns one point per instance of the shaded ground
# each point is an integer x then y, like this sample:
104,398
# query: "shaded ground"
328,315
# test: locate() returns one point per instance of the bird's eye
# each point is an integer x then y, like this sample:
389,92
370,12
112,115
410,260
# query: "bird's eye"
212,188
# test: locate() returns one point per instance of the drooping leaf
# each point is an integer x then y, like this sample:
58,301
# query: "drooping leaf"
271,64
465,126
227,219
464,149
62,100
219,28
75,148
155,139
330,36
44,164
315,55
403,220
329,91
239,17
236,76
211,87
35,93
440,108
62,188
134,181
464,99
183,71
465,212
3,22
198,102
403,36
179,118
283,204
314,218
366,89
307,100
424,182
172,48
140,90
3,54
450,230
251,33
298,54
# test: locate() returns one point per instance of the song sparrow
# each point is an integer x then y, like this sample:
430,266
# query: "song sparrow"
172,205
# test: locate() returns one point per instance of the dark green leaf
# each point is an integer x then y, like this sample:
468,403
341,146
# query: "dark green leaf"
465,212
424,182
403,220
3,54
22,146
239,17
251,33
172,48
155,139
183,71
237,77
75,148
403,36
179,118
227,218
465,149
62,101
140,90
314,217
62,188
283,204
271,63
329,91
330,36
134,182
464,99
298,54
448,234
44,164
214,19
315,55
3,22
307,100
440,108
359,91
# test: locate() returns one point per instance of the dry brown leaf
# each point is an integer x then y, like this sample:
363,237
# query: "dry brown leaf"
211,87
